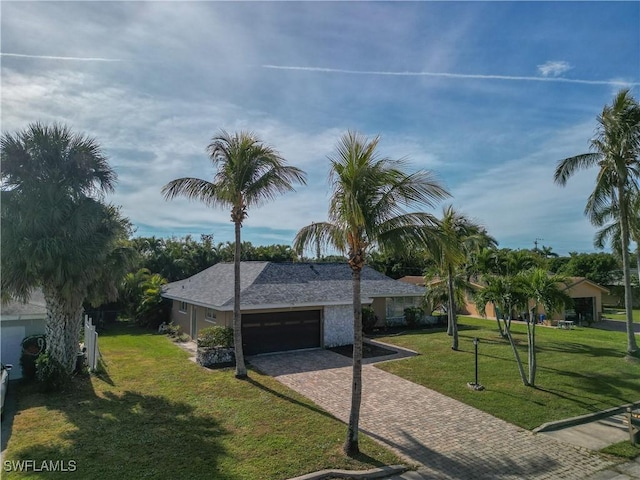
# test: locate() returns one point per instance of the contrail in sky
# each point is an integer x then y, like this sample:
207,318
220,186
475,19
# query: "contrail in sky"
452,75
49,57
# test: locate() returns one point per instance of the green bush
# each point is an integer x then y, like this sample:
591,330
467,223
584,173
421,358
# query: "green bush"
50,373
32,346
369,319
182,338
172,330
215,337
412,316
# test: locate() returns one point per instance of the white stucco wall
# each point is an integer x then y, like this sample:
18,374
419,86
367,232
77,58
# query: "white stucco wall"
338,325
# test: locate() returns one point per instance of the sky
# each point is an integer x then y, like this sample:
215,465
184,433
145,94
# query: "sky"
488,96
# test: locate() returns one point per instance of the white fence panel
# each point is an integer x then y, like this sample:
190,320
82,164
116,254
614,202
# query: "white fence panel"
91,344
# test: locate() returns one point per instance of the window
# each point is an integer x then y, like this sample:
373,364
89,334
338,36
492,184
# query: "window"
183,307
396,305
210,315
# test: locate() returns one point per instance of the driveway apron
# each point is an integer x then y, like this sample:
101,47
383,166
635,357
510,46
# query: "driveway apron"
446,438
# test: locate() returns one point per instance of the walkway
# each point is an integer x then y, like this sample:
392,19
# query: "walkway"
448,439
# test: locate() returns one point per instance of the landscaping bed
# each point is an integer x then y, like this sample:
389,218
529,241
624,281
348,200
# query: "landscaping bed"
368,351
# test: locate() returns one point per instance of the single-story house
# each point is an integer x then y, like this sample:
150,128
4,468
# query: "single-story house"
286,306
17,321
586,295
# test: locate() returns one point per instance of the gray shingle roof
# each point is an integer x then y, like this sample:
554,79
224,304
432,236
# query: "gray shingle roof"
35,306
270,284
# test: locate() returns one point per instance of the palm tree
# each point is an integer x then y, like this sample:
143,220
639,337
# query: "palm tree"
610,232
504,294
615,151
460,236
543,290
249,173
56,233
368,209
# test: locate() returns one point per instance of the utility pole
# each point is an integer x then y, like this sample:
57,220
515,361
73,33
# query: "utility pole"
535,242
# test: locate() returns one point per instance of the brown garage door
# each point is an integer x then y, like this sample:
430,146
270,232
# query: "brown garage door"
280,331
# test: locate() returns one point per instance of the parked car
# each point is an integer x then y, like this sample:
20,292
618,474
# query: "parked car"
3,386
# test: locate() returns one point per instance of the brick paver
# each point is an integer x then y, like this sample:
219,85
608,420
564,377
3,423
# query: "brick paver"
450,440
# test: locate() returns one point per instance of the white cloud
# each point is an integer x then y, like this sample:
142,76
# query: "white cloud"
554,68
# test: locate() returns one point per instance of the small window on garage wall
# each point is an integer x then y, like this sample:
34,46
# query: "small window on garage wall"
210,315
183,307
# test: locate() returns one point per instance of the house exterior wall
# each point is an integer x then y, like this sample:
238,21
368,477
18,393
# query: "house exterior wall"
379,306
180,318
12,332
338,325
586,290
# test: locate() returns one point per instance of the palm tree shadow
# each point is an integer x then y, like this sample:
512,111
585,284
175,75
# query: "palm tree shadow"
127,434
275,393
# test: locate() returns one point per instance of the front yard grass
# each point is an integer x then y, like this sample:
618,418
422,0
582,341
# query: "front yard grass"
619,315
580,371
155,414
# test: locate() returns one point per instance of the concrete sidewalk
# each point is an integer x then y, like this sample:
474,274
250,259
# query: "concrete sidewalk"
444,438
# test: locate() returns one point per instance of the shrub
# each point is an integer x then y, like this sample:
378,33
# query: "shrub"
172,330
215,337
182,338
50,373
32,346
369,319
412,316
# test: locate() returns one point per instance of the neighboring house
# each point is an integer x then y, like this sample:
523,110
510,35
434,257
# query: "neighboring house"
286,306
586,295
587,301
19,320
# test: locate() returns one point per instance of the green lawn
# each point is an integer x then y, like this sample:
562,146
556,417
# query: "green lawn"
579,371
155,414
618,314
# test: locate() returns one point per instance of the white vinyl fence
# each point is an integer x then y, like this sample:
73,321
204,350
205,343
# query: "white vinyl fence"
91,344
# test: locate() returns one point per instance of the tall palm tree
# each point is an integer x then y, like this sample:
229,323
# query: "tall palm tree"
615,151
367,210
542,290
249,173
56,232
610,232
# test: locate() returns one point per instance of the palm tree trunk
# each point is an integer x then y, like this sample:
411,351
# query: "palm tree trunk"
241,369
351,447
64,322
531,337
632,346
497,312
453,318
523,377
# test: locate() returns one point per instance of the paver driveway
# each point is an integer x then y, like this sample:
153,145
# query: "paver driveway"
449,439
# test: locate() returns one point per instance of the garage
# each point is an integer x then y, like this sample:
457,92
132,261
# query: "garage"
280,331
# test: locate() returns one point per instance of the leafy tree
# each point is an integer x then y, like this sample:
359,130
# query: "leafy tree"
601,268
367,210
615,151
56,232
248,174
543,290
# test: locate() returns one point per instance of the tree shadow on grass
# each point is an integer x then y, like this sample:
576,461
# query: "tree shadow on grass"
124,435
580,349
287,398
602,385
